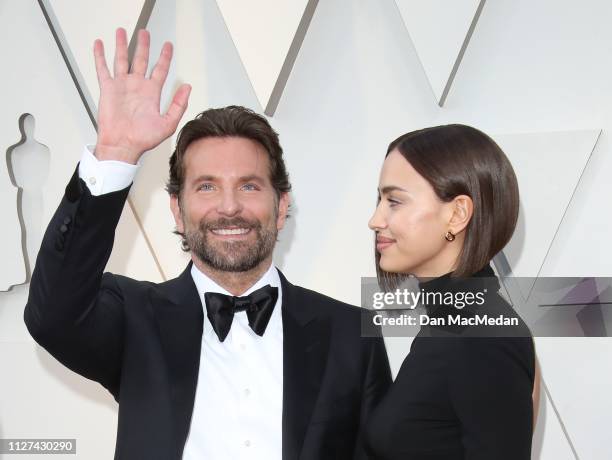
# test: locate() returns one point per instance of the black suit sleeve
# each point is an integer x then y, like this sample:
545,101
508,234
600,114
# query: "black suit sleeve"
490,385
73,310
375,384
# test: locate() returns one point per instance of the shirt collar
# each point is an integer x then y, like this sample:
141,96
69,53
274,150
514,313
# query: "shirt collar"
205,284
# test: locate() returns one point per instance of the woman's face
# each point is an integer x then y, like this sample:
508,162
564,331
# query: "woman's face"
410,222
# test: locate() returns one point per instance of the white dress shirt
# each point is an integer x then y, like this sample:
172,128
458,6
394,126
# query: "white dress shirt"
237,411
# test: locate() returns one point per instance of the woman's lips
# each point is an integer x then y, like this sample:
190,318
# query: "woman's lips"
382,243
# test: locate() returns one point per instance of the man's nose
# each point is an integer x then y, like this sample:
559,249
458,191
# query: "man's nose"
229,204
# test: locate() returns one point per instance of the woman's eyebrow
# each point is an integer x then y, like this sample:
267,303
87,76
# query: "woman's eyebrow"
390,188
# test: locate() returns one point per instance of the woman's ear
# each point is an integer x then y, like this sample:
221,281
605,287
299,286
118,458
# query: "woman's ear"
463,209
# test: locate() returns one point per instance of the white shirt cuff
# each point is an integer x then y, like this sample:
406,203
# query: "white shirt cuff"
105,176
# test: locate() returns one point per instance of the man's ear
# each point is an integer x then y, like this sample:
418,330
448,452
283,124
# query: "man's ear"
463,209
283,209
176,212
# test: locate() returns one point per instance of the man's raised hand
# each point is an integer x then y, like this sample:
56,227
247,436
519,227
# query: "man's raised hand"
129,118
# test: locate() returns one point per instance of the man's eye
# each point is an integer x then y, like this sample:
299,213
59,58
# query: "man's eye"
206,187
249,187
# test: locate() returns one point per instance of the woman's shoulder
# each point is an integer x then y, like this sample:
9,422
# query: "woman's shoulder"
493,318
465,360
492,355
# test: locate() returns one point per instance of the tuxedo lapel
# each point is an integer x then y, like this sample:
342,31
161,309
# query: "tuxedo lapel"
179,314
305,348
178,310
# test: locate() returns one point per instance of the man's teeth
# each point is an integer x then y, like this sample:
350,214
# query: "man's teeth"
230,231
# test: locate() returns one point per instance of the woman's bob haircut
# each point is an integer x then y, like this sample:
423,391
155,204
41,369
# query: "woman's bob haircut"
461,160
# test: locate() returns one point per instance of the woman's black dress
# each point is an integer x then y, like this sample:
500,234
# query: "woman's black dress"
460,393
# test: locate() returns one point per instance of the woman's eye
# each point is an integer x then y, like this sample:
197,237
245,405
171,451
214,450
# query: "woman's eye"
392,202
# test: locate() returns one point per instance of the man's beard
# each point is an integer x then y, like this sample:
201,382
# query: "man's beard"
231,256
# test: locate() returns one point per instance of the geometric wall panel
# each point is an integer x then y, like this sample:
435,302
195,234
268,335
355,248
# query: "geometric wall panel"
580,389
77,36
550,441
440,31
268,35
205,55
548,167
43,399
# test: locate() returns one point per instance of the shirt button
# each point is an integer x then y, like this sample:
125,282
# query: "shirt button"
247,443
92,181
247,392
242,346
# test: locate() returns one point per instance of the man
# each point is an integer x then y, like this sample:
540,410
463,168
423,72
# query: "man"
229,360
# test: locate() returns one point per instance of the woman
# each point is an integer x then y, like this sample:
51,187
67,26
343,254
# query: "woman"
448,202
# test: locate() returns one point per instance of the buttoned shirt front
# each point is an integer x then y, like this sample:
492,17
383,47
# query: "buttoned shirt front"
237,412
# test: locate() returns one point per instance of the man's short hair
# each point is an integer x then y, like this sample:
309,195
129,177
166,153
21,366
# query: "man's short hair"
231,121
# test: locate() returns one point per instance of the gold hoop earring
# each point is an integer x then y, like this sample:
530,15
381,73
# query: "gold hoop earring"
449,236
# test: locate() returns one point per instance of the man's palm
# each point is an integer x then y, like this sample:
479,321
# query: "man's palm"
129,119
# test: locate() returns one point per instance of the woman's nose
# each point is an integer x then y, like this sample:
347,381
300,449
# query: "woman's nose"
377,220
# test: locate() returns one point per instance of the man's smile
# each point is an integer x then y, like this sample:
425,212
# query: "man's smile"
231,233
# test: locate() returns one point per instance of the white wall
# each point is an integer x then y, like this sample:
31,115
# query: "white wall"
531,70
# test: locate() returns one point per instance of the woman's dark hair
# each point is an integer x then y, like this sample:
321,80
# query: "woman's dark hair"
461,160
231,121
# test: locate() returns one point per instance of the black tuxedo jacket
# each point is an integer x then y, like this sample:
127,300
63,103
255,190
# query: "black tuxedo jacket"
142,341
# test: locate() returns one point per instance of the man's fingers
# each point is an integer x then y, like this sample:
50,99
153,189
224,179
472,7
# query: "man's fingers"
121,52
101,67
160,71
141,56
178,106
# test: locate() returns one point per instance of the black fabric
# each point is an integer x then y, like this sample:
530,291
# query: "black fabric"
142,341
458,396
259,305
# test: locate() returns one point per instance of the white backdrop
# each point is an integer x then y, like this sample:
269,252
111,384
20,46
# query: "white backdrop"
350,76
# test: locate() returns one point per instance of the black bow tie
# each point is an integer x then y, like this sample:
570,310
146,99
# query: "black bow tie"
259,304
